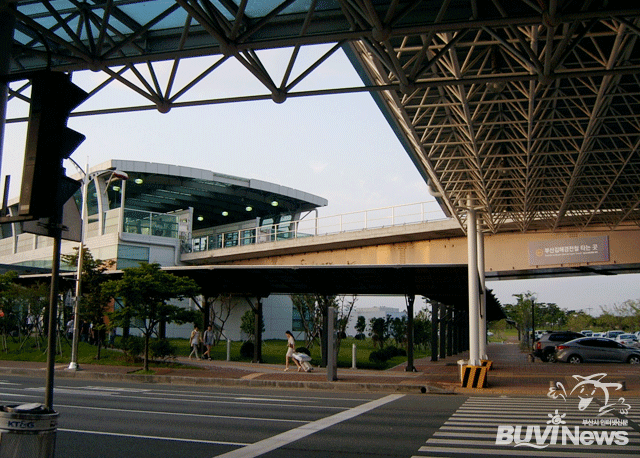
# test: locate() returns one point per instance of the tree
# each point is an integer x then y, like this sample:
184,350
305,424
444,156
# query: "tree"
379,331
9,313
146,292
93,305
313,312
422,329
398,330
545,314
248,324
218,321
360,327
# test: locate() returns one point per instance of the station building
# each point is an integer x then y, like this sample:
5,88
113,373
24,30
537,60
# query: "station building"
160,212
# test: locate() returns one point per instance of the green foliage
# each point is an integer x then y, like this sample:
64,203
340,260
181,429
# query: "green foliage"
133,346
146,292
248,324
93,305
384,355
398,330
360,327
247,348
379,331
162,349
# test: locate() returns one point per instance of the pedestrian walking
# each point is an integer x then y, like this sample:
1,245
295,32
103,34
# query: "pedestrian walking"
291,345
208,342
194,341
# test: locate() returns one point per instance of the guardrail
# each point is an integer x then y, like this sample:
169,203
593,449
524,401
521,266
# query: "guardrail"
322,225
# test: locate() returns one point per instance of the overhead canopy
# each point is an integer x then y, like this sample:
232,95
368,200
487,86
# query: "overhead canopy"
446,283
442,283
531,107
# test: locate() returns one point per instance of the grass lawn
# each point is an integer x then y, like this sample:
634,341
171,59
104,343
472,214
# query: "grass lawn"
273,352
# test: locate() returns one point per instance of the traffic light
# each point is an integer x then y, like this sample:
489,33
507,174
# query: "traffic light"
45,187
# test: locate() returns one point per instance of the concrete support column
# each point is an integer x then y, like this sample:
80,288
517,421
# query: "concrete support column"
434,331
472,257
482,347
257,349
456,332
450,326
410,301
443,330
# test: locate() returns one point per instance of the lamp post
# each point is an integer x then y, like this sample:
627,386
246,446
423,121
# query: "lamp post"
87,177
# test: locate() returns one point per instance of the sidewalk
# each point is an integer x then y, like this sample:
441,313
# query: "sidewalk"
511,374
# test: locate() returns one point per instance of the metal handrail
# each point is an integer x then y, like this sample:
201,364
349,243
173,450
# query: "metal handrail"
376,218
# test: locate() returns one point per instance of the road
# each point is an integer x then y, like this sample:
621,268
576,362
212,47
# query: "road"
115,420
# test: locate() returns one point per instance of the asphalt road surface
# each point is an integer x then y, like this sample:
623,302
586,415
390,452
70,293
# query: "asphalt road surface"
117,420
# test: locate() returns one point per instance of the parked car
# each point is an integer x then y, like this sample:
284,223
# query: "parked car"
545,347
596,350
540,333
613,334
586,332
597,334
630,340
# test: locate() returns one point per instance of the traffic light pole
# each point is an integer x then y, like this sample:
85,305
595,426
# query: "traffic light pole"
56,232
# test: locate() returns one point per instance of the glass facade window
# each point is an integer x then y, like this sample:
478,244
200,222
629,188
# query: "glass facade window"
149,223
297,321
131,256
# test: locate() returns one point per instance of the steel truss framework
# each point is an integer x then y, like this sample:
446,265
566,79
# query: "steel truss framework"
529,107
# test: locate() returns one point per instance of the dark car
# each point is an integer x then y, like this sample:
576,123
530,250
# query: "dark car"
545,347
596,350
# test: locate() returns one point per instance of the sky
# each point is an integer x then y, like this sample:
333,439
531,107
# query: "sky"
338,147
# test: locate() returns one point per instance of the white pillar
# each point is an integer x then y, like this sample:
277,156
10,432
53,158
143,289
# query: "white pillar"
482,349
472,260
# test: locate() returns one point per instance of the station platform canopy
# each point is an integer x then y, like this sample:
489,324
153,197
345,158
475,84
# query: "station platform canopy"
216,199
446,284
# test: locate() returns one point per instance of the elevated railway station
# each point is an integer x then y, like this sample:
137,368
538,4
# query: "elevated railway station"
521,116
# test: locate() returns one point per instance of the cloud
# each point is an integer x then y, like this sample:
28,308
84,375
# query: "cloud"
318,166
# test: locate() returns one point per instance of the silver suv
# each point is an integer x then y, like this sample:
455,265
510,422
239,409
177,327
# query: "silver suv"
545,347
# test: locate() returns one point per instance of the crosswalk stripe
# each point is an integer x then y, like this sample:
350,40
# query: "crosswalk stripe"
472,430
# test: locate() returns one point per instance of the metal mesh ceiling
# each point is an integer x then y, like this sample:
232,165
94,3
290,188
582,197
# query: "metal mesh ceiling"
530,107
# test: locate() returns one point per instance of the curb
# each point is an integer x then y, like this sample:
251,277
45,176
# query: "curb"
232,382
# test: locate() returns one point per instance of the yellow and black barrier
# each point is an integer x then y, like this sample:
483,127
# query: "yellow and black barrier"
486,363
474,377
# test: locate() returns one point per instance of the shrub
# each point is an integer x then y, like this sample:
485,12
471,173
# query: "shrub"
162,349
133,346
246,350
378,357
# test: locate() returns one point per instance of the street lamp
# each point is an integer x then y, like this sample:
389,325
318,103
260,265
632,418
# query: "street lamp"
86,179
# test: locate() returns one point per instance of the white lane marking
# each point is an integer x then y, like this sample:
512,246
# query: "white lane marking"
14,395
200,401
178,414
108,388
280,440
269,400
138,436
209,395
466,452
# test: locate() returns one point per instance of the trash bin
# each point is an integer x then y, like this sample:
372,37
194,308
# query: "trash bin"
27,430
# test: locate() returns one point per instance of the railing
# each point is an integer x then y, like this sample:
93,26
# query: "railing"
323,225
